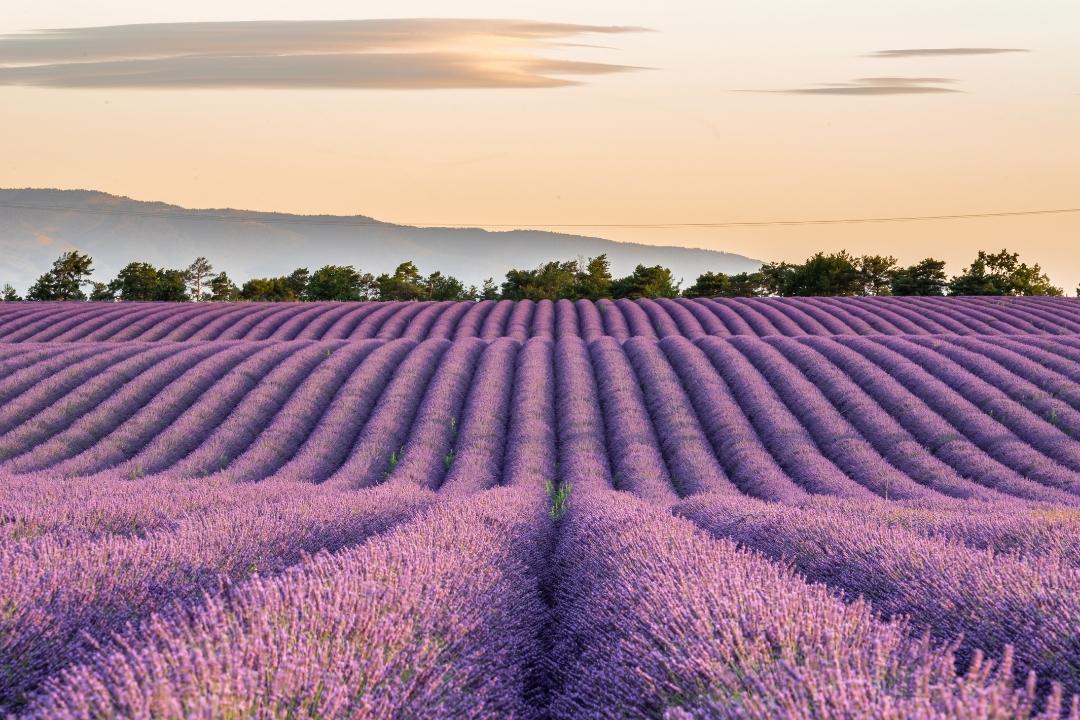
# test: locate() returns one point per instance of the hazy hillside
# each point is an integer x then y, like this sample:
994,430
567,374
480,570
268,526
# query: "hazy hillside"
115,230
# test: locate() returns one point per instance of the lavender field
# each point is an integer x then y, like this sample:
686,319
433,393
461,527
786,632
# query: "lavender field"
759,508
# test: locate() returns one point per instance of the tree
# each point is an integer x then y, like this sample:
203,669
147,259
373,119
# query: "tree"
338,282
718,284
594,279
223,289
101,292
269,290
709,284
776,277
646,282
198,275
877,273
135,281
144,282
8,294
64,282
297,282
560,279
926,277
1002,273
172,286
446,287
488,291
826,274
746,284
405,284
553,280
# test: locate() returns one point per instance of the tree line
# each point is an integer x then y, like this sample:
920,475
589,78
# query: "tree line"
822,274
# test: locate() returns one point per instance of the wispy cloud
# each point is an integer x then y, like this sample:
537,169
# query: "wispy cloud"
385,54
877,86
923,52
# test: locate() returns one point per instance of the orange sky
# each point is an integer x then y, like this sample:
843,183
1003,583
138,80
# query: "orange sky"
679,142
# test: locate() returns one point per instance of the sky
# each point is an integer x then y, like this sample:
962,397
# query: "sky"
560,113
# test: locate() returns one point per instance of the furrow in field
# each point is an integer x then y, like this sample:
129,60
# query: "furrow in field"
377,449
989,600
427,452
776,427
282,435
836,438
657,619
689,456
935,432
988,433
637,463
889,437
124,424
406,625
71,595
228,440
474,461
531,458
733,438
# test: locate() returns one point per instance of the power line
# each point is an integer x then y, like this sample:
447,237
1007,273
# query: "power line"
272,218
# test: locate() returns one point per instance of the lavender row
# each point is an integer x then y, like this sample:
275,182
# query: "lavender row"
82,322
991,601
1003,527
776,419
68,594
656,619
437,619
33,506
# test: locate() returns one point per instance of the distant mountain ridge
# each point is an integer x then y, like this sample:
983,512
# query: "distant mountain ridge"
36,225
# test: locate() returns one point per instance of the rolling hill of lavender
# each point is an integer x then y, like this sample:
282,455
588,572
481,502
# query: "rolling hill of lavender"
758,508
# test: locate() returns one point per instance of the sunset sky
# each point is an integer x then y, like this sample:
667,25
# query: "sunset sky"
560,113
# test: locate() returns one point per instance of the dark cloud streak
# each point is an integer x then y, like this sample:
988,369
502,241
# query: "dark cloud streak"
931,52
383,54
876,86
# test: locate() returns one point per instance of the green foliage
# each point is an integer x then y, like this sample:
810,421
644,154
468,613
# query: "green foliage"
826,275
339,282
718,284
172,286
405,284
446,287
278,289
926,277
776,276
560,498
822,274
223,289
198,275
143,281
553,280
593,281
560,279
102,292
394,461
408,284
488,291
65,281
646,282
1002,273
876,274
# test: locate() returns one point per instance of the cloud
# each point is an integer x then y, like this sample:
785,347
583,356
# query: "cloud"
385,54
922,52
877,86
